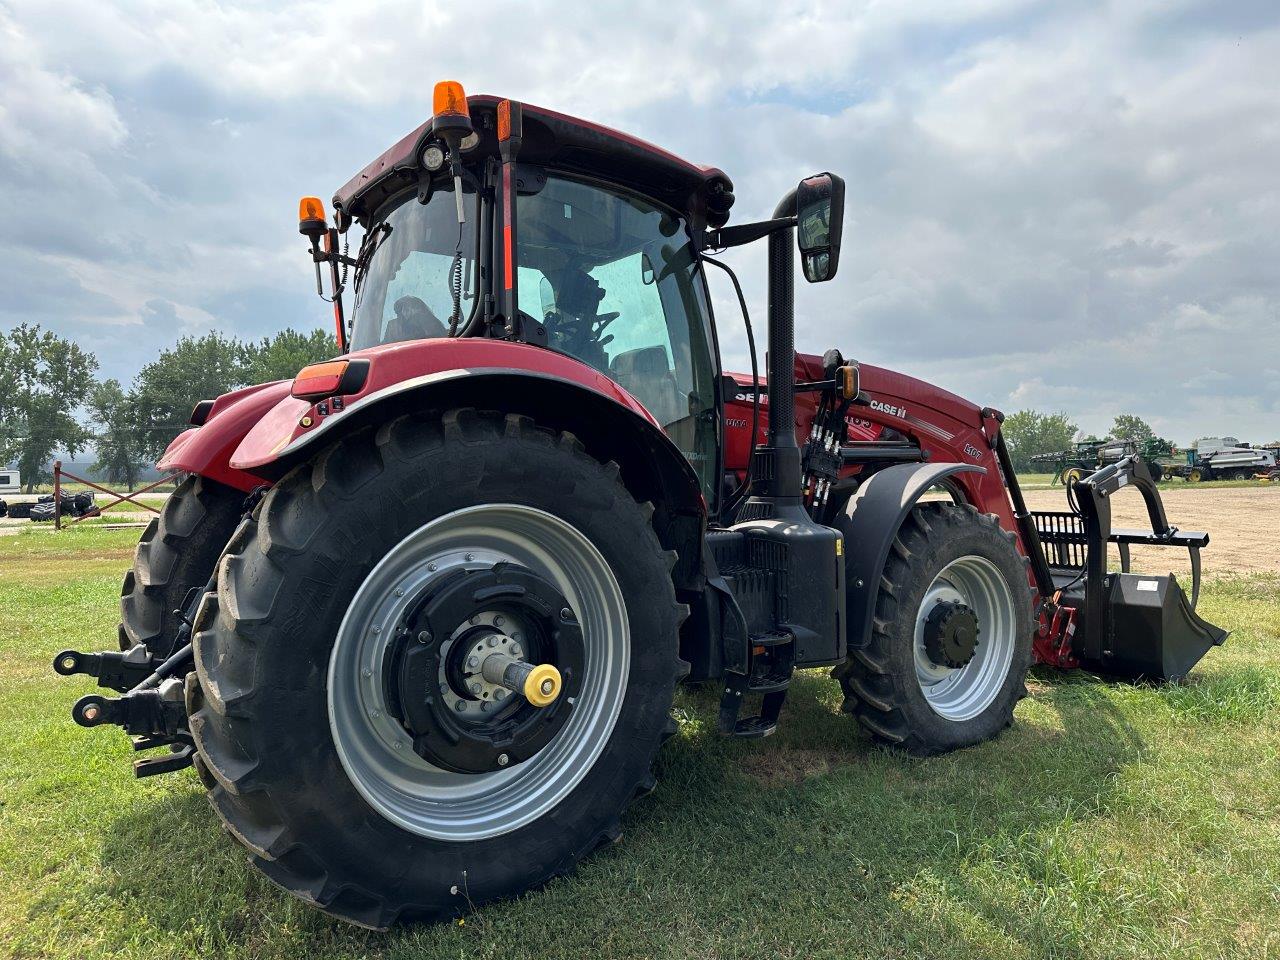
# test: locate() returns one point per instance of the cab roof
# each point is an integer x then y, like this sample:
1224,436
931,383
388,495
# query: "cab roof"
704,194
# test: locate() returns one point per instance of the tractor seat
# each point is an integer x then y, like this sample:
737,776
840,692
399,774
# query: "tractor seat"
646,374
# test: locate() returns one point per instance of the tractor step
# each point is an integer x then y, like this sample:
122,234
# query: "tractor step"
754,728
772,639
769,670
769,683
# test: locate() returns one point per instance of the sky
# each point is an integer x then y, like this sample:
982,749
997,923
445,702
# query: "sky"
1065,206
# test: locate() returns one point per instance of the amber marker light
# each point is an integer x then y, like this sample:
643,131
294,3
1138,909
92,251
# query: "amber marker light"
311,219
449,101
320,380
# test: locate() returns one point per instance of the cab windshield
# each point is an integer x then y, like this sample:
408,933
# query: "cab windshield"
412,262
616,282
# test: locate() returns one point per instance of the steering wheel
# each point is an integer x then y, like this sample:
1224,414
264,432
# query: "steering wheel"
580,336
414,320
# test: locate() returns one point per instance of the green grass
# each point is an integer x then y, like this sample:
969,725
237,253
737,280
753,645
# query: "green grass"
1111,821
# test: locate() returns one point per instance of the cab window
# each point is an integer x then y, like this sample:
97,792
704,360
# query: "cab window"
615,281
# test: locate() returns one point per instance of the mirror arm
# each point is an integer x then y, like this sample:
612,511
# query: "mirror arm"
736,236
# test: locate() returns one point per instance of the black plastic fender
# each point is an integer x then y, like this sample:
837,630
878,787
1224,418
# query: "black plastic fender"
869,523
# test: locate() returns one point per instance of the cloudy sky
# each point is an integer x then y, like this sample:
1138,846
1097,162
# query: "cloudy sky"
1064,206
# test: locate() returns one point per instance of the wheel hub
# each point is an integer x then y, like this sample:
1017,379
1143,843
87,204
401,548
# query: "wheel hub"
487,693
951,634
444,675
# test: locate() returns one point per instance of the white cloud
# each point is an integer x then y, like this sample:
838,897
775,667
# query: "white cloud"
1066,206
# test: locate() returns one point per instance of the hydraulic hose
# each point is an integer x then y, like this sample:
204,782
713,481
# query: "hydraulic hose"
744,487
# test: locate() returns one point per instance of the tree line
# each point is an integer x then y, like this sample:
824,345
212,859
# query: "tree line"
51,398
1030,433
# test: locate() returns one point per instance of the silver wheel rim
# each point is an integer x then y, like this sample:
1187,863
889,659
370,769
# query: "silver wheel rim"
962,693
374,749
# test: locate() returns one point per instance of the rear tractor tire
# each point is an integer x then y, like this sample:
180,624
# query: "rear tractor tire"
349,730
177,552
950,646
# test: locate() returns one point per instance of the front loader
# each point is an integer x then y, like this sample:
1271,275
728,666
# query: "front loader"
417,616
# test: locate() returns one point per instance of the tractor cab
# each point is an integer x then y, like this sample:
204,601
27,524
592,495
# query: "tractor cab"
581,240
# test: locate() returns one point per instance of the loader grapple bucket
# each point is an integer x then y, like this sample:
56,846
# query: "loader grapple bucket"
1137,626
1155,634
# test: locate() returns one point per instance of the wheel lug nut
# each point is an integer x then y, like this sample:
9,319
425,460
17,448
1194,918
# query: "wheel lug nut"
473,662
433,567
503,759
366,672
566,614
498,620
470,557
493,641
424,636
460,706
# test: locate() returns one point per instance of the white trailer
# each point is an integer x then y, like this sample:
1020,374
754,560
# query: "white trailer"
10,480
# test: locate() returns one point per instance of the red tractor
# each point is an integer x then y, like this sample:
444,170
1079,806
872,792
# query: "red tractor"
417,616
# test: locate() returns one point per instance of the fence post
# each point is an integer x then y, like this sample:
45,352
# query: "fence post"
57,494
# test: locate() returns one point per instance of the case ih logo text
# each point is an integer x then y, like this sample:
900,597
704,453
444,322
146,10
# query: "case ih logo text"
889,408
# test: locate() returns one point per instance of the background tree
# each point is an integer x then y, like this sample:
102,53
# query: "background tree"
1029,432
168,388
43,379
1128,426
282,356
119,441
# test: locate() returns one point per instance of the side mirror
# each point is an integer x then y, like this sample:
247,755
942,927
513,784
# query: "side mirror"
819,219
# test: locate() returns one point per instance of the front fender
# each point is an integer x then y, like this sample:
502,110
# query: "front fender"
293,427
870,522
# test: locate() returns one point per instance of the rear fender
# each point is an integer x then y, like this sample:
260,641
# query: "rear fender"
293,429
870,522
553,389
207,449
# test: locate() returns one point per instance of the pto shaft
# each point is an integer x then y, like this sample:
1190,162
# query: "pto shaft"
538,683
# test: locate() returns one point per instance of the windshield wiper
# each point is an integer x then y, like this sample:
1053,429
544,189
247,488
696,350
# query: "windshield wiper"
369,246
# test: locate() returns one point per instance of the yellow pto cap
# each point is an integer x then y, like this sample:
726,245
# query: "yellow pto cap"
542,685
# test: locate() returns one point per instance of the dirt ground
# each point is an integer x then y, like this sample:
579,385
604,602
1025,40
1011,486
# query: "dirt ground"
1243,524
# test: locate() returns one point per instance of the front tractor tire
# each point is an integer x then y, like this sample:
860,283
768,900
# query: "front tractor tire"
177,553
950,645
347,730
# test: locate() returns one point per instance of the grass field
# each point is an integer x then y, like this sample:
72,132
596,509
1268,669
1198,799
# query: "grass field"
1110,821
